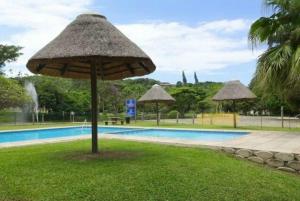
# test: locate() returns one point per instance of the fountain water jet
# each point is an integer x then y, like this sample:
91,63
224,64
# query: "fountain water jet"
30,89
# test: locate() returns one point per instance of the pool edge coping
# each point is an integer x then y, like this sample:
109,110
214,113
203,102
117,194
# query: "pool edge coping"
138,127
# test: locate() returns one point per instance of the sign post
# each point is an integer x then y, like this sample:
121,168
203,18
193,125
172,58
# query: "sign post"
131,108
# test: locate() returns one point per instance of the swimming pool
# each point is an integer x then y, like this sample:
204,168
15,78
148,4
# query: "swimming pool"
27,135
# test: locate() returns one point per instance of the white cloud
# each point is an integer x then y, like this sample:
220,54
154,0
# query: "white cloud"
205,47
42,13
173,46
38,22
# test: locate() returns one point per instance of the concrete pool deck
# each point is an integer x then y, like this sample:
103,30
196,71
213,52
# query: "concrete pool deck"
256,140
268,141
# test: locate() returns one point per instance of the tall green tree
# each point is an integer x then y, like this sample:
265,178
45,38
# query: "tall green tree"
8,53
278,68
184,80
187,98
11,94
196,78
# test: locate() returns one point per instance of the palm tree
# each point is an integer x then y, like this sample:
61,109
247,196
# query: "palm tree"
196,78
184,80
278,68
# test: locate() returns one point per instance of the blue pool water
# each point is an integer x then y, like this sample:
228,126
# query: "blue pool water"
15,136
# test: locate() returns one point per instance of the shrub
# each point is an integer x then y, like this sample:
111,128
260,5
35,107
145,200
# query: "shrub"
172,114
122,116
103,116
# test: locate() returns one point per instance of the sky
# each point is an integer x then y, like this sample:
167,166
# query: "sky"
206,37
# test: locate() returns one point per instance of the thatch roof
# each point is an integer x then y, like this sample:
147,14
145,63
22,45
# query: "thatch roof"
156,94
90,38
234,90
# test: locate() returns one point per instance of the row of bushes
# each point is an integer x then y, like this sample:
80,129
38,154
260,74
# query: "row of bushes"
7,117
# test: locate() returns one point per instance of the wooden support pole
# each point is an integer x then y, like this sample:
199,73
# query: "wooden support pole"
234,115
261,120
193,118
157,114
282,115
94,108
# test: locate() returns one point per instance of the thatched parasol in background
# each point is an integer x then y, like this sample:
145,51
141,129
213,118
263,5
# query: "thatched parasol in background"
91,48
156,95
234,91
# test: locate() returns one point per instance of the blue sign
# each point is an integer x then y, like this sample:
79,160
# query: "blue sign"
130,107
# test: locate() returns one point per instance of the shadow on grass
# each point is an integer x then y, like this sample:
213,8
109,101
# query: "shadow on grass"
102,155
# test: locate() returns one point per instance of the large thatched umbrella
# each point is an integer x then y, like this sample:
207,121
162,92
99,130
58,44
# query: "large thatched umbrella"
156,95
234,91
91,48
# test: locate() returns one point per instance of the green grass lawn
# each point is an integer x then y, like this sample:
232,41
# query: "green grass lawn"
136,171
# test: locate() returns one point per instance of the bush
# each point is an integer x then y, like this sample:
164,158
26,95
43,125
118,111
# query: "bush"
189,115
122,116
149,116
103,116
110,115
58,116
172,114
7,117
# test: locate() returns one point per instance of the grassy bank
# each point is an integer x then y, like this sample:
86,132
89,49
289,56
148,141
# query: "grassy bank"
136,171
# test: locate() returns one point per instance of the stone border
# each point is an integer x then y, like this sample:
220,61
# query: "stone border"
288,162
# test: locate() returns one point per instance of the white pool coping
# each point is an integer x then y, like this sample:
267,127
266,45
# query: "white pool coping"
255,140
118,126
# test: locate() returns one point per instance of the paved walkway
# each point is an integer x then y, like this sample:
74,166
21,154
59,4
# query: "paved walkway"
267,141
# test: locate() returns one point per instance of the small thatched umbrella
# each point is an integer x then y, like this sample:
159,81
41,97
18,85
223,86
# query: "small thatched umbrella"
91,48
234,91
156,95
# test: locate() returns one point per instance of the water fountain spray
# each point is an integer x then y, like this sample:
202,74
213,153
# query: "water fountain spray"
30,89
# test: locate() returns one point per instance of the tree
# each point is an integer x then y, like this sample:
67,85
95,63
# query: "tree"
278,68
11,94
77,101
196,78
58,94
205,105
184,80
115,98
8,53
272,102
179,84
187,98
135,88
